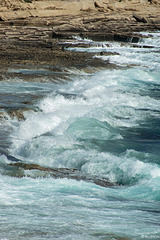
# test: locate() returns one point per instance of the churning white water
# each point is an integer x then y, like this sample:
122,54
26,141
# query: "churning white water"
105,124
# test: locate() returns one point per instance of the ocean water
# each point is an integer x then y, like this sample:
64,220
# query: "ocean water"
105,124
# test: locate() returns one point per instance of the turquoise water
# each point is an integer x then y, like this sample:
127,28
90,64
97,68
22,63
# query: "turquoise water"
105,124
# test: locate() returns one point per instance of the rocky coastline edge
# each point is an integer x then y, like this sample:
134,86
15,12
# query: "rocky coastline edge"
34,33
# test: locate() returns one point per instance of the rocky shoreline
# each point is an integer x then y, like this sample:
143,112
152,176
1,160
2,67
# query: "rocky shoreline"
33,33
35,36
34,41
19,171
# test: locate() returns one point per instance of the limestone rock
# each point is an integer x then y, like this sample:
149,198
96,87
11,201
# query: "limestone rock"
139,18
97,5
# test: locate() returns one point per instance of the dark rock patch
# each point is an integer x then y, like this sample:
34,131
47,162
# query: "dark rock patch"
139,18
64,173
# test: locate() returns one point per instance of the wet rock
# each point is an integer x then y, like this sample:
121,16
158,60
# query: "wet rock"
71,95
5,140
12,158
18,113
56,35
64,173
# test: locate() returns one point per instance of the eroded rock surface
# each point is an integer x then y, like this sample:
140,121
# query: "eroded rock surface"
36,33
32,32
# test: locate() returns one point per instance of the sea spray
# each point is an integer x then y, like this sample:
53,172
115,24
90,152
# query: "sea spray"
105,125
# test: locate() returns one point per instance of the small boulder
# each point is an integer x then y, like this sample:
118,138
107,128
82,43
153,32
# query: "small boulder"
97,5
139,18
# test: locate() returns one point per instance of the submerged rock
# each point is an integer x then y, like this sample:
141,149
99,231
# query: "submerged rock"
18,113
71,95
63,173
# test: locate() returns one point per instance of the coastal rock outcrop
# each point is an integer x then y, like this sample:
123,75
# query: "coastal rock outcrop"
57,13
32,32
63,173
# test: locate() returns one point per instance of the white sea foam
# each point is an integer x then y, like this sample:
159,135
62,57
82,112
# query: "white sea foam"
53,136
106,125
128,54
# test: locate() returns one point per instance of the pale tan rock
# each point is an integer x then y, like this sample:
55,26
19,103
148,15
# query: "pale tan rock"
97,5
111,7
58,13
86,9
